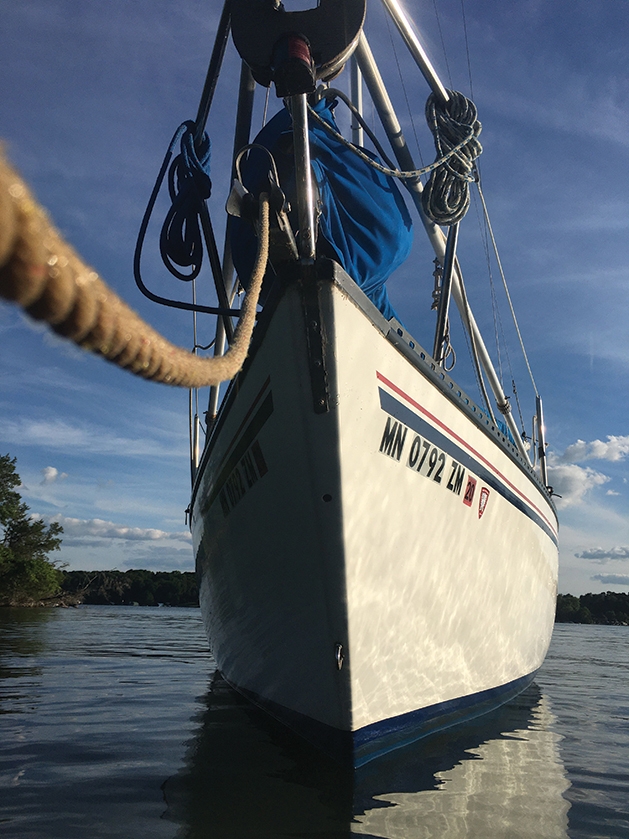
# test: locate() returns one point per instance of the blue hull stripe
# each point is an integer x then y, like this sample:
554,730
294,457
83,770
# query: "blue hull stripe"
408,417
379,738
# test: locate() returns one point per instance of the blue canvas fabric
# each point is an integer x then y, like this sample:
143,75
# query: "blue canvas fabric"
364,222
504,428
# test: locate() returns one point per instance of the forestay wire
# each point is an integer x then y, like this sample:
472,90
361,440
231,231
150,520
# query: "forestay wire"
506,287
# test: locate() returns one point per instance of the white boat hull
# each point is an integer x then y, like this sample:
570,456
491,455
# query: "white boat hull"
389,527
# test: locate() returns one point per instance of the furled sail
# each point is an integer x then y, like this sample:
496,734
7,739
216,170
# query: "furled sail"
363,223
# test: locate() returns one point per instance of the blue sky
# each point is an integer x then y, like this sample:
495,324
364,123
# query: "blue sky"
92,92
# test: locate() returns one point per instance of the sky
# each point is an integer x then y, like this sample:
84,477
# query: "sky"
91,94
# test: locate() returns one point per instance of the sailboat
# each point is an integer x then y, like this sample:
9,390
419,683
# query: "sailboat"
376,551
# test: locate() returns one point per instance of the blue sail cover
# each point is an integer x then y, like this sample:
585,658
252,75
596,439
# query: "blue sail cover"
364,222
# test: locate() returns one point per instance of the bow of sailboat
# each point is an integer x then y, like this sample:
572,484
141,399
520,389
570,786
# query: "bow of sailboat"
352,505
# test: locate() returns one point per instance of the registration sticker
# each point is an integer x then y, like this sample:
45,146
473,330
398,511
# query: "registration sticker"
469,491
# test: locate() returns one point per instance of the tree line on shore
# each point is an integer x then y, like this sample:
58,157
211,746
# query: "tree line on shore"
136,587
606,607
29,577
177,588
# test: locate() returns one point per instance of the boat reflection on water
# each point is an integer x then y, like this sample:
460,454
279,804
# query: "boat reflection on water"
247,776
505,779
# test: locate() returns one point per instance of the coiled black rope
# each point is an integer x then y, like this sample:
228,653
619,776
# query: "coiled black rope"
181,241
189,185
446,196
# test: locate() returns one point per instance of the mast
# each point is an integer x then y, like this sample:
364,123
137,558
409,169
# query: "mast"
405,28
356,95
438,352
303,178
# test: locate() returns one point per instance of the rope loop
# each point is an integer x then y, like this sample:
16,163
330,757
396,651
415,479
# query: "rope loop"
409,175
446,196
189,185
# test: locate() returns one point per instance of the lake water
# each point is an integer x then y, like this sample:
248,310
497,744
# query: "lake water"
111,725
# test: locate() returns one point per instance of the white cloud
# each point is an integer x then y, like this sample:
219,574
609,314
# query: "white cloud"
603,555
612,579
572,482
85,531
614,449
52,474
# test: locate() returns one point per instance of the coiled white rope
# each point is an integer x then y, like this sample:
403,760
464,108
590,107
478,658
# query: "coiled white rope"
455,128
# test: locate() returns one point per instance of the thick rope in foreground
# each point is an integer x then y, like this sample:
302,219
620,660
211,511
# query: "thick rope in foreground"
41,273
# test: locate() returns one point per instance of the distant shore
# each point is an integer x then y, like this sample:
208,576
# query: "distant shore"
139,587
136,587
609,608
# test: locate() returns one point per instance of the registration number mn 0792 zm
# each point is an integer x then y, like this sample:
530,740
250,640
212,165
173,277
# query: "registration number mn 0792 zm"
427,459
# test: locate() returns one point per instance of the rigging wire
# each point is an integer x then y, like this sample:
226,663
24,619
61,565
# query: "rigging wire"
467,49
498,325
517,402
480,384
494,301
266,106
443,44
467,331
506,288
488,228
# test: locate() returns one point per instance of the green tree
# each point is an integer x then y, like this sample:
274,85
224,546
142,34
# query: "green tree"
567,608
26,574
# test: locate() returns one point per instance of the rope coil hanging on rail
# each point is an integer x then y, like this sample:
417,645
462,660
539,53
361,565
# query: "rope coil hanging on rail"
45,276
189,184
446,196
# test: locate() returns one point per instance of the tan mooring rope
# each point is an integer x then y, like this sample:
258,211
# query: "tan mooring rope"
45,276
